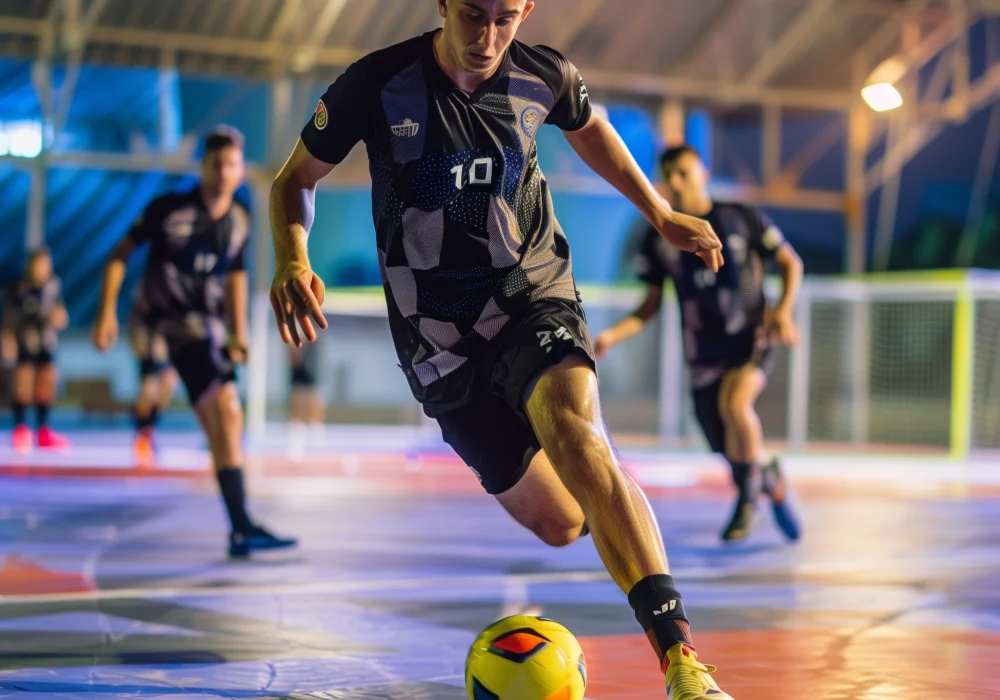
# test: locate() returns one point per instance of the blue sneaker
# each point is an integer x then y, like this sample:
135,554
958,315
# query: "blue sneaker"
241,544
776,487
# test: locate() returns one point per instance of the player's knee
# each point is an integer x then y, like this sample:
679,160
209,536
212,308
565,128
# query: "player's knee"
559,533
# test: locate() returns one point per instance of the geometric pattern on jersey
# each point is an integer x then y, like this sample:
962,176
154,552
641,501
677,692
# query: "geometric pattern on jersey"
716,306
184,287
466,233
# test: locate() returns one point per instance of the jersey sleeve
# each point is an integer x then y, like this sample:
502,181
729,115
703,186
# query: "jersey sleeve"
766,237
647,263
150,222
345,115
572,108
241,233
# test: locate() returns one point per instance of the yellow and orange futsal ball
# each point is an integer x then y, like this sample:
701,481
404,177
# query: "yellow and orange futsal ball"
526,658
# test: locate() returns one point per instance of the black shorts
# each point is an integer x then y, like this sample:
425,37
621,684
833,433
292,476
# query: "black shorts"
148,344
201,365
491,431
38,357
706,398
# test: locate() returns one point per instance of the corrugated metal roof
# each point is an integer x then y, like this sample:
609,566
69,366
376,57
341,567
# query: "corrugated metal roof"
699,39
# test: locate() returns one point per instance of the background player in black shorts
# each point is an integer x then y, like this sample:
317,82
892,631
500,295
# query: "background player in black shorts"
305,404
728,330
195,286
482,303
34,314
157,378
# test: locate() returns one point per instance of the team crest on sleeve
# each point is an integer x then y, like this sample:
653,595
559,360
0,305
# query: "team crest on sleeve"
320,117
773,238
584,94
530,117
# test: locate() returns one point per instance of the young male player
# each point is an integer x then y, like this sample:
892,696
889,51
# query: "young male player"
728,330
158,379
196,288
482,303
34,314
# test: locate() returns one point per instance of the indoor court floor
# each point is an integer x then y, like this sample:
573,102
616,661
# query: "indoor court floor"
114,581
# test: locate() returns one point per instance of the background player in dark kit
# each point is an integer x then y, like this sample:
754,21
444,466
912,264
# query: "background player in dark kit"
728,330
195,286
34,314
482,303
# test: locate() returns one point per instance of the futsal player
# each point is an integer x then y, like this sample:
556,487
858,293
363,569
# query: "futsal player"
157,378
195,286
483,307
34,313
729,330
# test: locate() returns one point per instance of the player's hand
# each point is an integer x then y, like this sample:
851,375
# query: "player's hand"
297,293
105,332
693,235
602,344
238,350
780,327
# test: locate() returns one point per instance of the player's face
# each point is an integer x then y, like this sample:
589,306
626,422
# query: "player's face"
687,181
40,269
222,171
478,32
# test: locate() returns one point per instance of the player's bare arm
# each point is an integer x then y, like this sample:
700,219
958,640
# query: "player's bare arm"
781,325
297,291
236,305
601,148
632,324
105,331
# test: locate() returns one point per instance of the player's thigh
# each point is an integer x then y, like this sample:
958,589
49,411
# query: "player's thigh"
541,502
208,376
741,386
707,411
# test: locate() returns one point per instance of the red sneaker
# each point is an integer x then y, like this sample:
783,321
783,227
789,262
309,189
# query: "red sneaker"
21,439
49,439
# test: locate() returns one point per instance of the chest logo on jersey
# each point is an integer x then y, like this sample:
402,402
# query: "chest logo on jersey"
530,118
406,128
738,246
320,117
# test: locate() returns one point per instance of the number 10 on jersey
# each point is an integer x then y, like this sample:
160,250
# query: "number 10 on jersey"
480,173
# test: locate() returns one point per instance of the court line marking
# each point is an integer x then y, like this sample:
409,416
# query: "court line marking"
973,559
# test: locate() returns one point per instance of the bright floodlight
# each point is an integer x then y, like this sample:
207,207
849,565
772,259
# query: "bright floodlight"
882,96
880,91
22,139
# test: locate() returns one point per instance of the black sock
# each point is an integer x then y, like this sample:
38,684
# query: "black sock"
233,494
145,423
20,417
660,611
744,478
42,414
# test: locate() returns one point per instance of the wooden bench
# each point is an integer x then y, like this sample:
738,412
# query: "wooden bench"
94,397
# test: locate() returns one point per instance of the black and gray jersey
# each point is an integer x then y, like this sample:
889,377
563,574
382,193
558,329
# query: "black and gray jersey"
466,233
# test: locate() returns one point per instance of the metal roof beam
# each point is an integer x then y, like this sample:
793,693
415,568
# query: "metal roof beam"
725,93
806,25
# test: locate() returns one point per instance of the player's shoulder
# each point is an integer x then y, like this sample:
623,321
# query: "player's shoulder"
380,66
168,201
540,60
537,54
239,213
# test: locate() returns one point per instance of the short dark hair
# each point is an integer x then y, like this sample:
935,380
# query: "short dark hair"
674,153
223,136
